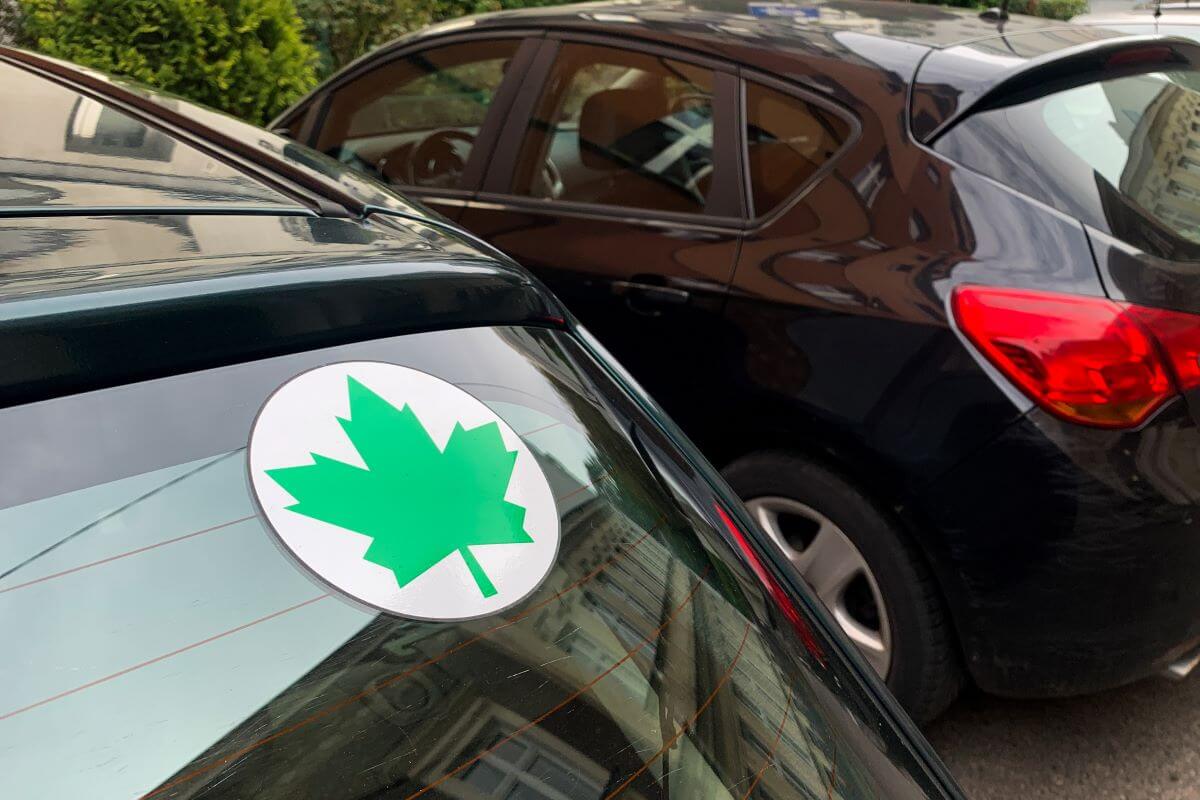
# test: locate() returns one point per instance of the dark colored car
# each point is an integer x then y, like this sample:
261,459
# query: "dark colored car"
903,273
169,276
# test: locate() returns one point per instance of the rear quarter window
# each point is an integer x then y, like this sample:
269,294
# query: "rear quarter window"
162,645
788,140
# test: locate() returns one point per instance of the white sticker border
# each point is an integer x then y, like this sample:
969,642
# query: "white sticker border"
332,589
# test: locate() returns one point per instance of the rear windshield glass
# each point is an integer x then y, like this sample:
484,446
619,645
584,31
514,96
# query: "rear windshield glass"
1121,154
162,645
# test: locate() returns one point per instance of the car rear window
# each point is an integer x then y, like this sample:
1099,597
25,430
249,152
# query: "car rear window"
160,644
1122,154
72,150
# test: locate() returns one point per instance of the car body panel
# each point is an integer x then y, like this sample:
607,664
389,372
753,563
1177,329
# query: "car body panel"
869,288
1109,516
845,349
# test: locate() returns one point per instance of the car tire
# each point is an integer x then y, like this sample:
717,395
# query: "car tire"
918,653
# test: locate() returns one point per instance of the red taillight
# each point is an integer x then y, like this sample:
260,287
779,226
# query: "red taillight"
1137,56
1179,335
783,600
1086,359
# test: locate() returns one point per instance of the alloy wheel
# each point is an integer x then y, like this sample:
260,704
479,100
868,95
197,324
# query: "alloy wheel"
834,568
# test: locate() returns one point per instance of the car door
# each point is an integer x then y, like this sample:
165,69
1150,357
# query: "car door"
423,118
615,181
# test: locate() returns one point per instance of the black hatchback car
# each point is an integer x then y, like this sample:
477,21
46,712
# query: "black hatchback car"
230,368
923,285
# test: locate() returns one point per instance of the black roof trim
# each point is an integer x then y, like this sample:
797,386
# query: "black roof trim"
308,187
66,343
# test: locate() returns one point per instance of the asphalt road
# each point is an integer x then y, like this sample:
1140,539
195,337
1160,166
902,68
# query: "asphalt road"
1142,741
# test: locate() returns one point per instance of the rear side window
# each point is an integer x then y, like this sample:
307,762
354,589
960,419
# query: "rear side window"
619,128
165,646
414,120
787,141
1121,154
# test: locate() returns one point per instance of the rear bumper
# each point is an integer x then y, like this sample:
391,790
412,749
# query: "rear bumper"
1071,557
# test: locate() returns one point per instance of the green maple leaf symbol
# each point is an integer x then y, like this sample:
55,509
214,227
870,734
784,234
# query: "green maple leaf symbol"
418,504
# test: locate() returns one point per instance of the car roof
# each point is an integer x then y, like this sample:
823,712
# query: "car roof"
838,38
116,269
836,47
935,26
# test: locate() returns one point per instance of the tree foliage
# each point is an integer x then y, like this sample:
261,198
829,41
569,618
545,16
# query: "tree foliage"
1051,9
343,30
246,57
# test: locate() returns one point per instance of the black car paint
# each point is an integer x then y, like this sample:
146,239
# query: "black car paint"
99,297
1067,560
831,337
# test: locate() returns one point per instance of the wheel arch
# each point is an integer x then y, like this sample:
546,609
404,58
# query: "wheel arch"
868,473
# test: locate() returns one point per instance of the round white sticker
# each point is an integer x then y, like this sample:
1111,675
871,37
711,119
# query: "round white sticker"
402,491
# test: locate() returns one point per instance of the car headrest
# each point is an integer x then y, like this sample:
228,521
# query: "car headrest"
610,115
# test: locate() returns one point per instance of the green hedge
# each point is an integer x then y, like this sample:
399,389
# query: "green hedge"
1051,9
343,30
252,58
246,57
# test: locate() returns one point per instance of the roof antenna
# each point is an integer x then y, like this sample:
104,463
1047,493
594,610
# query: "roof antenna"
1000,14
1158,8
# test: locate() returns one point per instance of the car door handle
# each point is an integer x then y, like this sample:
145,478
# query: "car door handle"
650,294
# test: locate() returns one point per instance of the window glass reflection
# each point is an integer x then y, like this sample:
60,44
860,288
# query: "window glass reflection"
621,128
787,141
169,648
1122,154
413,121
